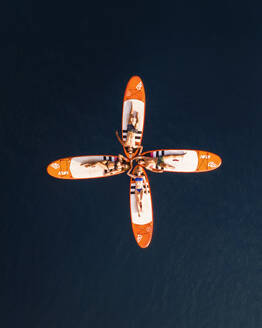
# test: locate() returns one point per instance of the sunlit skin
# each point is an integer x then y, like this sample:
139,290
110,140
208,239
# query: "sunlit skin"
130,142
133,118
110,168
158,161
139,189
153,163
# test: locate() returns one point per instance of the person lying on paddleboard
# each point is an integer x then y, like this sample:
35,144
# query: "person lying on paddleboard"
158,164
132,130
130,143
132,125
111,167
140,182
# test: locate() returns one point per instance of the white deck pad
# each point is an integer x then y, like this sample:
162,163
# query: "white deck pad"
139,107
146,214
187,162
79,171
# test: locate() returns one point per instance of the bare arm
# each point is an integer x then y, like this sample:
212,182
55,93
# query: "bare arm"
157,171
140,150
145,184
131,175
141,157
131,166
121,157
137,120
131,110
131,113
118,138
128,173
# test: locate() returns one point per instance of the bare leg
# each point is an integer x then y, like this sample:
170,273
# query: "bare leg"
173,157
141,200
148,160
131,139
167,166
150,166
102,165
138,202
141,157
87,164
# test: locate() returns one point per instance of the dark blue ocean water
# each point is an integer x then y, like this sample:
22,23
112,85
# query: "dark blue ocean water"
68,256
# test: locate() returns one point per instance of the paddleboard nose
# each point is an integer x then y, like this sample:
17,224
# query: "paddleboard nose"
214,161
143,236
208,161
59,169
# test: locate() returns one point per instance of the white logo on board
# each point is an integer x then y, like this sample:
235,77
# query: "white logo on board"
205,156
139,86
55,166
139,237
63,173
212,164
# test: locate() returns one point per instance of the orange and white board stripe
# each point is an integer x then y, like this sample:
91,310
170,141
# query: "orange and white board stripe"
142,226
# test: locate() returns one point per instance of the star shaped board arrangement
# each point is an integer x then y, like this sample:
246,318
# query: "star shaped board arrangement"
160,160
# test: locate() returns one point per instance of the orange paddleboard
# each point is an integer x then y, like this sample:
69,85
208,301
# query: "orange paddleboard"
142,225
135,98
185,160
71,167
